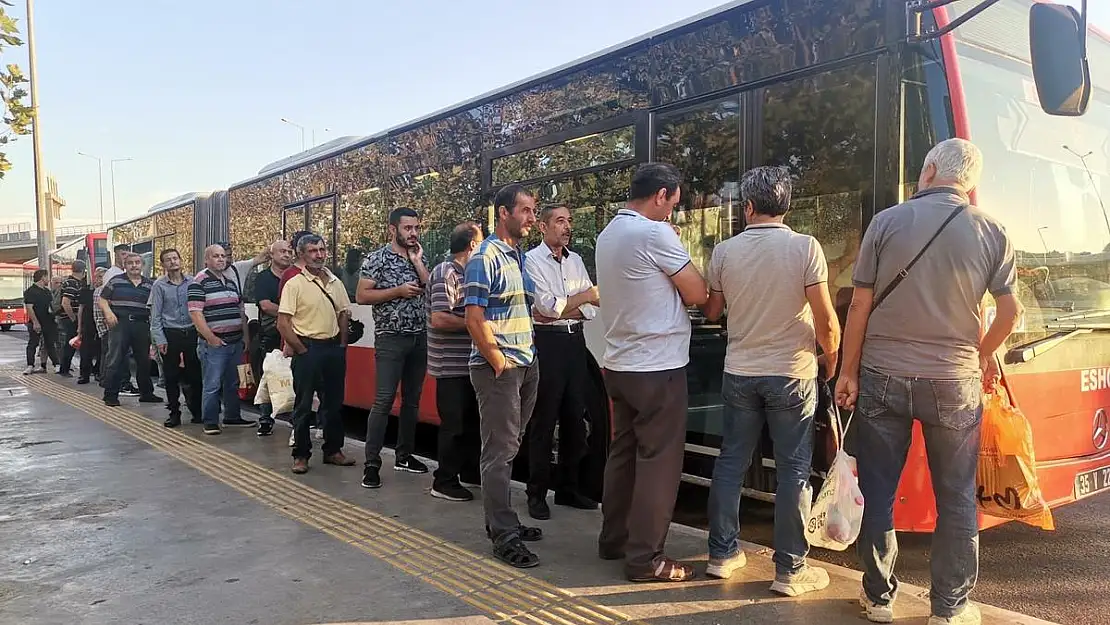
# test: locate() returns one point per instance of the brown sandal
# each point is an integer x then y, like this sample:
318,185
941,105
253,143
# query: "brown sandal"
665,570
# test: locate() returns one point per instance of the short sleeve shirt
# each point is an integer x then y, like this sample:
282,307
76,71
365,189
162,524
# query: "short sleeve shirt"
497,280
126,298
388,270
314,316
218,300
448,352
763,274
929,326
41,301
71,290
647,327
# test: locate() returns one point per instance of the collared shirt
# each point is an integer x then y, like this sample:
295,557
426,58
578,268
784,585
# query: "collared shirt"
557,280
169,307
498,281
71,290
98,315
314,316
929,326
218,300
126,298
647,327
238,272
388,269
448,352
763,274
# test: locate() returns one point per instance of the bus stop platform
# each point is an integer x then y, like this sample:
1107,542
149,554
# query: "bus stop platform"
108,517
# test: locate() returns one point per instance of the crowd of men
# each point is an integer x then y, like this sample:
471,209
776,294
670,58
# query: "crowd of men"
501,331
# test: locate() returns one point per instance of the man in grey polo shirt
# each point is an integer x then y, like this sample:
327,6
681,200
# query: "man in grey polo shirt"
774,283
917,353
646,281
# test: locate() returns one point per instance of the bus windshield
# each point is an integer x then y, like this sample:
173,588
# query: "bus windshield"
11,288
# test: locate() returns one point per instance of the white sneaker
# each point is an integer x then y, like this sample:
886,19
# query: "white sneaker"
291,439
318,433
809,579
970,616
723,569
876,613
29,370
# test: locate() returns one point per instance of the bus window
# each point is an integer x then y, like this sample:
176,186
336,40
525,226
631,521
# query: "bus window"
100,253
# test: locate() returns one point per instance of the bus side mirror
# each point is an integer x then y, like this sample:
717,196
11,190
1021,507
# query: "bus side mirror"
1058,50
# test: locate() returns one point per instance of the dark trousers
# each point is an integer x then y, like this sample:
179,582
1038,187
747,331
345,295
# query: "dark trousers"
181,344
398,359
460,442
319,370
645,464
90,352
560,401
67,329
48,336
264,341
129,335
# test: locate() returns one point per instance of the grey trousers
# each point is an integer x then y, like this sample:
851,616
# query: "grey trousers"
505,404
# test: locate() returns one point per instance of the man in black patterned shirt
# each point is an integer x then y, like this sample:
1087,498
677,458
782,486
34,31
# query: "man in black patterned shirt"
392,281
67,315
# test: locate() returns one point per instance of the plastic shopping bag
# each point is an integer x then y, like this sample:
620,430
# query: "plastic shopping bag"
277,376
836,516
1006,478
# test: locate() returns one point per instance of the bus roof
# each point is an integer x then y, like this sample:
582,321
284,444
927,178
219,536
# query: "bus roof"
181,200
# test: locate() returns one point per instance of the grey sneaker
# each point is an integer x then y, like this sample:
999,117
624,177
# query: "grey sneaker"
874,612
723,568
29,370
970,616
809,579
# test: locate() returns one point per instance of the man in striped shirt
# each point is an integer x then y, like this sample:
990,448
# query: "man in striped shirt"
123,300
217,312
499,297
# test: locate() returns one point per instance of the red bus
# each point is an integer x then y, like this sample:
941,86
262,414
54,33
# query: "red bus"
12,285
840,92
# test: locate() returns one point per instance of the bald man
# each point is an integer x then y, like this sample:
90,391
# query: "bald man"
267,295
216,309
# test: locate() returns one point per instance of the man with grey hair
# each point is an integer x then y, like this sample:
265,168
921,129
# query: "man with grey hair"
771,372
914,350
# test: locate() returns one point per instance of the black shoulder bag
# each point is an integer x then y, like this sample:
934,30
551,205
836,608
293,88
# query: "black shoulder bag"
902,275
355,328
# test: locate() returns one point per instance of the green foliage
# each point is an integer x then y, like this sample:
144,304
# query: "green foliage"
16,114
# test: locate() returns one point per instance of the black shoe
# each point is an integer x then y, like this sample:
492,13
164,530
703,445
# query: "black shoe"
452,492
575,500
65,374
129,391
410,465
195,420
82,380
173,421
212,430
239,423
538,509
371,478
265,428
151,399
111,401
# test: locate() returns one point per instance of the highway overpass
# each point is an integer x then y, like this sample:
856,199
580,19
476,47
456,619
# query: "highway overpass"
19,242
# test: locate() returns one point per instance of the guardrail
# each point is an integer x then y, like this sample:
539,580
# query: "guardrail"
14,233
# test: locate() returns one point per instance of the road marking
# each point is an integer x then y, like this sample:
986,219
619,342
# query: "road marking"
501,592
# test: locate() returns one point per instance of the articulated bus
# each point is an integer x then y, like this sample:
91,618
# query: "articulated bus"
92,248
836,90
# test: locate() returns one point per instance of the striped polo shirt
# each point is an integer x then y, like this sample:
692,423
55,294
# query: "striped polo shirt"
448,352
219,301
127,299
497,280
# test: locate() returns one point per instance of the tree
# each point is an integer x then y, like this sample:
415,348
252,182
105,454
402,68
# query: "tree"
17,115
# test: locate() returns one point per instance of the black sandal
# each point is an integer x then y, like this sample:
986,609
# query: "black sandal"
514,553
527,534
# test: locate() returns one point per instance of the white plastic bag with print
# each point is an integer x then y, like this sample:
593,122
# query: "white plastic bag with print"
836,516
277,380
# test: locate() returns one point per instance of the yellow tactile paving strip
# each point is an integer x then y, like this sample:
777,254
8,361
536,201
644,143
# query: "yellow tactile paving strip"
504,594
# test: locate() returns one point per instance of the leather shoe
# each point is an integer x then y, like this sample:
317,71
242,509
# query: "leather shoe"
339,460
300,466
538,509
575,500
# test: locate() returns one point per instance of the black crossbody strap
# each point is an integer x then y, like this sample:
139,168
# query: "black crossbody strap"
326,294
902,275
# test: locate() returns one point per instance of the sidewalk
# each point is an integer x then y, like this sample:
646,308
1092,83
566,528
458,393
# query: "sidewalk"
113,530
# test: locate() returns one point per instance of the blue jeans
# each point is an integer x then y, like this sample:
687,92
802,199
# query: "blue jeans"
950,412
787,406
220,368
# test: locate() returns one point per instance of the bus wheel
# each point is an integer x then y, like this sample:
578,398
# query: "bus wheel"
5,328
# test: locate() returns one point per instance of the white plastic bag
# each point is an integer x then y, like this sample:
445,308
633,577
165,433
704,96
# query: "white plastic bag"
277,378
837,514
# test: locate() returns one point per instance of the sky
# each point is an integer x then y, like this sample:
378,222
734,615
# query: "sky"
194,91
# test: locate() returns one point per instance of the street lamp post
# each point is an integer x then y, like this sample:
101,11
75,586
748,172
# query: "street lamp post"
296,125
112,168
43,217
99,180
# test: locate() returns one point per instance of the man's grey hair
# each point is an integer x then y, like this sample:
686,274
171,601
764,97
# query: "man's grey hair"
768,189
308,239
958,162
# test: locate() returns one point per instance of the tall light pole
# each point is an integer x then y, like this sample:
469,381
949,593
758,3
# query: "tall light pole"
112,167
43,217
295,124
99,180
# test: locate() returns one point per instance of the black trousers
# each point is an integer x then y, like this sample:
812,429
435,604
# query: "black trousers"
90,351
560,401
130,335
67,329
48,336
321,370
181,345
460,438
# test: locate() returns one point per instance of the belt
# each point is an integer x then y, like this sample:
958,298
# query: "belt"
574,328
143,318
332,341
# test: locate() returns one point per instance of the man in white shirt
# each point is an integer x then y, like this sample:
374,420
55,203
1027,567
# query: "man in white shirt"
565,299
239,271
647,281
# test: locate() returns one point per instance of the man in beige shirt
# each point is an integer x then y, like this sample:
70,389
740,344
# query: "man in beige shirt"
773,282
312,319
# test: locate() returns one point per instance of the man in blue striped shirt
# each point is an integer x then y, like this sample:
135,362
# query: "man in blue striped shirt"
498,302
124,303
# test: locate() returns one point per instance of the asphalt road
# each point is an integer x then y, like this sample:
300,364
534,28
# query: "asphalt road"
1061,576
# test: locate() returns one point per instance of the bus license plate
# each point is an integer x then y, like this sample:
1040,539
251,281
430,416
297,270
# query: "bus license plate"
1091,482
